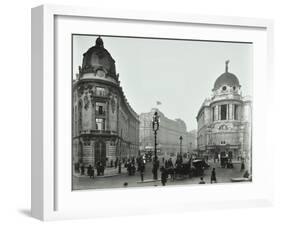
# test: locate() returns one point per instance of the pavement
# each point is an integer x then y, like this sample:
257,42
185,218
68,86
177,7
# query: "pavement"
108,172
111,179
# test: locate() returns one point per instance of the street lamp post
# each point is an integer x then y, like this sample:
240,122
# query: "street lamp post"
155,127
181,145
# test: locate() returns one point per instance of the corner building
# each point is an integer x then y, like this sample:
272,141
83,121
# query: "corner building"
104,126
225,120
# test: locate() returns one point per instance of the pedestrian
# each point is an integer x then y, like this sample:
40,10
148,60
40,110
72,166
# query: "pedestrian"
242,165
119,166
246,174
164,175
141,168
202,181
213,176
155,168
82,170
89,170
98,168
170,163
102,168
133,169
76,167
92,172
116,163
166,164
128,165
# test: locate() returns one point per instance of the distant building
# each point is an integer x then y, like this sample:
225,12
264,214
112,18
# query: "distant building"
192,140
105,127
224,120
168,142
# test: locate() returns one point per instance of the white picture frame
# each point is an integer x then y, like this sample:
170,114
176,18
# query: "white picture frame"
53,199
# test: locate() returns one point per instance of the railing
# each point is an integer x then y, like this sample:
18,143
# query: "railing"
96,131
101,113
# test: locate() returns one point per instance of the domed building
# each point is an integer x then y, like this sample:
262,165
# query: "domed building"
104,126
224,120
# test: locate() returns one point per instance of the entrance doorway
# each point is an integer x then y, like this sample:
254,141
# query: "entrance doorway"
100,152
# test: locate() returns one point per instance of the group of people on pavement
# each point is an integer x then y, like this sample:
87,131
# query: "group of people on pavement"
91,170
130,165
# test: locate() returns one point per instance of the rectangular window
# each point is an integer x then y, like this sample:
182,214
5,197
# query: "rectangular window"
100,108
213,113
100,91
100,124
235,111
223,111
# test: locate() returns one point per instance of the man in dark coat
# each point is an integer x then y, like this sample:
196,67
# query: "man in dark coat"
89,170
170,163
164,175
98,168
155,168
119,166
116,163
242,165
213,176
82,170
102,168
141,169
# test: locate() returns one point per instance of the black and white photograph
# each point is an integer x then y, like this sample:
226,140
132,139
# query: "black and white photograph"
154,112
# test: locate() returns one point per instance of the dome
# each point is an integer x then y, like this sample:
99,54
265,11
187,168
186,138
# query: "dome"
97,57
226,79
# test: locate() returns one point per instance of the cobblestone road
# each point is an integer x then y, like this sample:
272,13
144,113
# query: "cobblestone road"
117,181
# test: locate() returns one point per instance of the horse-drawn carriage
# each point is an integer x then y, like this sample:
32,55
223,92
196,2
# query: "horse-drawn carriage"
192,167
199,165
226,162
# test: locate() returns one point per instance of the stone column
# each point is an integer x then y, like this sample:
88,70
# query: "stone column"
230,111
216,113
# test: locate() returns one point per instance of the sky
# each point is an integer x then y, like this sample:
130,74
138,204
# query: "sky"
178,73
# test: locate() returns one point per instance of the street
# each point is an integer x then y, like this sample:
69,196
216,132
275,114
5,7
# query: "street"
117,180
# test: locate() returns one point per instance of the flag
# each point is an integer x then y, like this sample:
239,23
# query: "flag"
158,103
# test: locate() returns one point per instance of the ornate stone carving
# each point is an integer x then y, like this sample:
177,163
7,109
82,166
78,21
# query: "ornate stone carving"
80,104
113,104
223,127
86,141
86,102
80,90
91,91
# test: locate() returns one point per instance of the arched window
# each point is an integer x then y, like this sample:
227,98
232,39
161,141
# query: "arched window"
236,111
223,111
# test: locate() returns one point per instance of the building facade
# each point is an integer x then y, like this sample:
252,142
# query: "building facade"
104,126
192,141
224,120
168,135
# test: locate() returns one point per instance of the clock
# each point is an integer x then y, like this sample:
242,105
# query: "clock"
100,73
